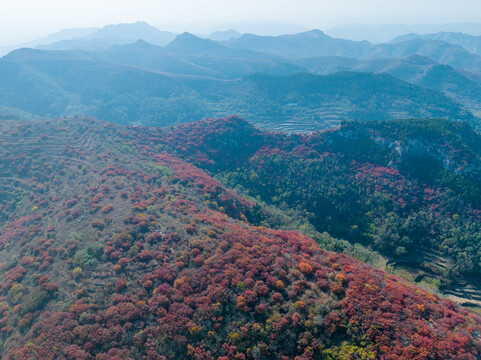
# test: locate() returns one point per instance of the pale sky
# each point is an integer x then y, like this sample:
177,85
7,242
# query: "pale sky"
22,20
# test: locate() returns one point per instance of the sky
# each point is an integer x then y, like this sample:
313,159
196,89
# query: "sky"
23,20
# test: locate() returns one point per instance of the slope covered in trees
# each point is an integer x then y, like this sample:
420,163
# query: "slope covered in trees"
114,245
406,188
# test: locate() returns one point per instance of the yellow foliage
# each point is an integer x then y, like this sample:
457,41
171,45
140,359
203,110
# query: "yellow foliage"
345,352
77,271
280,284
190,349
234,336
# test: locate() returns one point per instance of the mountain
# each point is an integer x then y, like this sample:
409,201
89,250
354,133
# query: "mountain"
114,245
387,32
317,44
225,61
125,86
193,45
306,44
155,58
440,51
409,189
109,35
252,27
408,68
192,78
134,31
308,102
468,42
414,69
73,84
225,35
81,44
66,34
191,55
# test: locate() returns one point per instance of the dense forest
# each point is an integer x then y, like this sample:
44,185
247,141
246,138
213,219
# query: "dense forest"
118,242
413,190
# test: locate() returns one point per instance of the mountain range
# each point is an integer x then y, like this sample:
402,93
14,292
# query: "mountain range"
110,35
386,32
193,78
79,83
468,42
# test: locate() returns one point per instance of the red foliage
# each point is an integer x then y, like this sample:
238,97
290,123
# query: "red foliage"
202,282
97,223
107,209
120,285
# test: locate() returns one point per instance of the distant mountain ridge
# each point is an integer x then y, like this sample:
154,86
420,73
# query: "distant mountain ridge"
109,35
414,69
121,85
194,77
224,35
310,43
469,42
386,32
316,43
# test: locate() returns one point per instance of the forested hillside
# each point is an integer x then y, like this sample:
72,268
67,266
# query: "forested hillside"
115,245
409,189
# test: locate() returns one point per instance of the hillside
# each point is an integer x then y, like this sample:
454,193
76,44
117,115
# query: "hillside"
104,38
129,84
114,245
306,44
468,42
316,44
328,100
412,193
462,87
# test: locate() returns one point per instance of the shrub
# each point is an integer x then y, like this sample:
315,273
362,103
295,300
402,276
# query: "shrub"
35,300
120,285
107,209
77,272
97,223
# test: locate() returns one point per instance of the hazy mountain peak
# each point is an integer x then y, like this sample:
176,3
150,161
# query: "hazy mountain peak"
127,29
469,42
314,33
225,35
191,42
110,35
130,32
187,35
419,60
138,45
405,37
